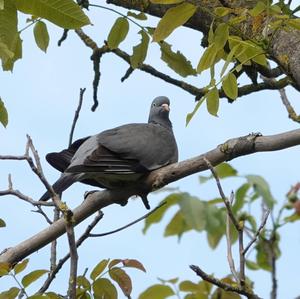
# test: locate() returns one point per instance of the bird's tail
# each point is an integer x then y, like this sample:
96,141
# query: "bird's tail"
64,182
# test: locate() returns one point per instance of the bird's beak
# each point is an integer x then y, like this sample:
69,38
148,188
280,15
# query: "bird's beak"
165,107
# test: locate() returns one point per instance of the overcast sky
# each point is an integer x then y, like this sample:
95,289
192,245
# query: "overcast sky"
41,96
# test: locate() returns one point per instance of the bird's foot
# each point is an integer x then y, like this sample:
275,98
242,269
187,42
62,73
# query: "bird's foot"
145,201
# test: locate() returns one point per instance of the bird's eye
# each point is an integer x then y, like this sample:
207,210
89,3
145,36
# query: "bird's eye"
154,104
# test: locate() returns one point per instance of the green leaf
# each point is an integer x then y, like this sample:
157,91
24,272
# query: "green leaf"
63,13
215,225
4,268
103,288
1,4
52,295
156,217
212,101
240,197
21,266
193,211
140,16
230,58
16,49
208,58
261,186
188,286
99,268
2,222
176,61
229,85
38,296
173,18
32,277
257,9
118,33
157,291
12,293
166,1
140,51
221,35
114,262
190,115
83,282
41,35
225,170
172,280
132,263
292,218
8,34
3,114
5,54
252,265
222,11
177,226
122,279
295,23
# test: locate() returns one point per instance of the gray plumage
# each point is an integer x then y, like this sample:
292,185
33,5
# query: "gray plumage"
115,157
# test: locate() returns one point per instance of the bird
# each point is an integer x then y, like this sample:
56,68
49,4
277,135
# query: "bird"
116,157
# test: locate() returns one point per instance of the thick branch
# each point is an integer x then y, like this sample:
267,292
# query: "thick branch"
156,179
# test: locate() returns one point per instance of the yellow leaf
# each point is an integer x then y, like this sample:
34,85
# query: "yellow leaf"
140,51
208,58
64,13
173,18
229,85
41,35
212,101
118,33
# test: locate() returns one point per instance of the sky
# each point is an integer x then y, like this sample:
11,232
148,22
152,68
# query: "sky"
41,96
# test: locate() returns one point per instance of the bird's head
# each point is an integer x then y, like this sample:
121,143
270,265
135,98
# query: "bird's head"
159,111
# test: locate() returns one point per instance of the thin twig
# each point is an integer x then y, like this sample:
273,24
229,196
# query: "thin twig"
238,226
63,37
273,271
40,211
285,101
229,244
76,115
241,255
53,250
83,237
17,193
73,255
129,224
225,199
262,225
222,285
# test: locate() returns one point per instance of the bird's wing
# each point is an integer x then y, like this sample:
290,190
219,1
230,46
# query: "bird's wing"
61,160
94,157
152,145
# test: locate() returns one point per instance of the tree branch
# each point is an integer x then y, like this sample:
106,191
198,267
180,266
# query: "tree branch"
222,285
79,242
231,149
284,46
76,115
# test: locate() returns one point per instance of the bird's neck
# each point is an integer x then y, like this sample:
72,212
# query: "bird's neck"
164,122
